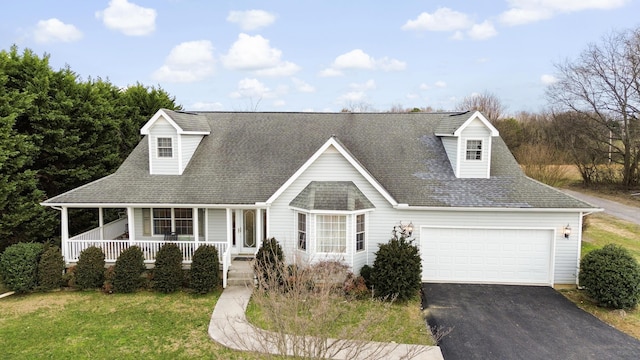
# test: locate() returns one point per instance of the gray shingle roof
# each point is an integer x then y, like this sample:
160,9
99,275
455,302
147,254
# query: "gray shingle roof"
249,155
332,195
189,121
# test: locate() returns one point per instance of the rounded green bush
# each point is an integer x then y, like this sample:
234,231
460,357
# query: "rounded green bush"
205,268
50,268
269,264
128,270
397,269
19,266
167,273
611,276
90,269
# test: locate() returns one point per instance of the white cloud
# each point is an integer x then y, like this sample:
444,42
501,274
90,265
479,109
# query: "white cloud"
54,30
251,19
254,53
251,88
187,62
283,69
412,96
387,64
206,106
424,86
302,86
330,72
527,11
443,19
279,103
352,96
547,79
440,84
482,31
369,85
354,59
358,59
129,18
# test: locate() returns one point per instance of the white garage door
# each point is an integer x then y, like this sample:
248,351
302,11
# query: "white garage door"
511,256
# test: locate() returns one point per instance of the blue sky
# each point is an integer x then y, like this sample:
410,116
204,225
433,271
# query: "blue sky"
318,55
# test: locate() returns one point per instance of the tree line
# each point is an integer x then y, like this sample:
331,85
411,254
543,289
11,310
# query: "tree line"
57,132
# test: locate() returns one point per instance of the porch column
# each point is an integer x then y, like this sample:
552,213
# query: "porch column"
64,227
196,226
131,225
206,225
259,235
229,228
101,223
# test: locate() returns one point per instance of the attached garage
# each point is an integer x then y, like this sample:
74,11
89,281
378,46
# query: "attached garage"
485,255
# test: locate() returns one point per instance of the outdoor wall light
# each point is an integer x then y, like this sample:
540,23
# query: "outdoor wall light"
567,231
408,229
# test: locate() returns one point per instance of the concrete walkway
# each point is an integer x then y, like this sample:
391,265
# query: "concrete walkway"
230,328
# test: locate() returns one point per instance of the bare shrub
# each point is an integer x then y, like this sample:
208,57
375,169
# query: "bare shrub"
304,319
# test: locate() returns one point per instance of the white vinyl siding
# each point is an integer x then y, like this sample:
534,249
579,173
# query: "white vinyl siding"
451,148
163,165
188,146
217,224
472,168
331,166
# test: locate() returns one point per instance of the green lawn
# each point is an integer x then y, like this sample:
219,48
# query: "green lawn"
402,322
602,230
145,325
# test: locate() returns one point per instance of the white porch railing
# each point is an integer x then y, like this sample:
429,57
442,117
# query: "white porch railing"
113,248
112,230
225,264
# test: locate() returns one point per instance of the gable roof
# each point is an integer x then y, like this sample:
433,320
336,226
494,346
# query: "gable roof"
183,122
248,156
454,125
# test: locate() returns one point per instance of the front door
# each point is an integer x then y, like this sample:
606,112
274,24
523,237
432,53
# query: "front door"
248,236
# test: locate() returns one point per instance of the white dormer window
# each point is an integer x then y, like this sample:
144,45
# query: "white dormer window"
474,149
165,148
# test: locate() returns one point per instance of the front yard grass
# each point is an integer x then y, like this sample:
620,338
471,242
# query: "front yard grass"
77,324
604,229
402,323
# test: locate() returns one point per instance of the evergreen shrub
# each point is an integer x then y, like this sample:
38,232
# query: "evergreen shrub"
269,264
19,266
50,268
205,268
397,270
90,268
128,270
167,273
611,276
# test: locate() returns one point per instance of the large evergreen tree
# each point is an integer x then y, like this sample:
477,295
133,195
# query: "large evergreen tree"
58,132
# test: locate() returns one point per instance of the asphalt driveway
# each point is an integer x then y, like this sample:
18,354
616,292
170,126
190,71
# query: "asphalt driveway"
519,322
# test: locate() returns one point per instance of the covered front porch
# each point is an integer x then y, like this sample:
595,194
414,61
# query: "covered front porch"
233,231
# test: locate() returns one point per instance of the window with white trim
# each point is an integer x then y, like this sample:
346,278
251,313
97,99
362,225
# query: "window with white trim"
184,221
302,231
474,149
165,147
360,232
180,218
161,221
331,233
